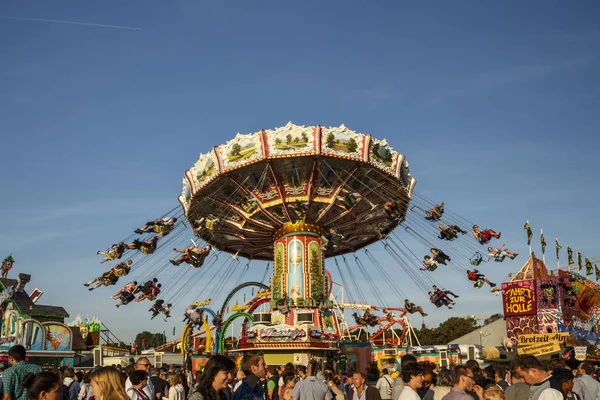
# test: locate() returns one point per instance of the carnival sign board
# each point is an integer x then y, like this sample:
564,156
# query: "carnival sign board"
282,333
518,298
540,349
532,339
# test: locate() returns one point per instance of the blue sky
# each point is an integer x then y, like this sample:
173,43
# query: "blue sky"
495,105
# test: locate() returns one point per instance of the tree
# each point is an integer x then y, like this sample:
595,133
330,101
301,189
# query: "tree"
330,140
288,138
304,137
149,339
235,149
352,145
493,318
448,330
277,141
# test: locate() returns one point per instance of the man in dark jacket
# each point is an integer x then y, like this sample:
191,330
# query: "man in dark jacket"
371,392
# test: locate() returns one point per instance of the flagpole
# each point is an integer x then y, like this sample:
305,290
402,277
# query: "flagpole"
530,252
543,252
557,257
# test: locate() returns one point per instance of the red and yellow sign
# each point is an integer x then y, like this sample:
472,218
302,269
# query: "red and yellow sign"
518,298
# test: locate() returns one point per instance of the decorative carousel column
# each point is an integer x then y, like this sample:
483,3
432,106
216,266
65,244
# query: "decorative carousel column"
298,276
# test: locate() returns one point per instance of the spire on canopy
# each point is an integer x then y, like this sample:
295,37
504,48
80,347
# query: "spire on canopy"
533,268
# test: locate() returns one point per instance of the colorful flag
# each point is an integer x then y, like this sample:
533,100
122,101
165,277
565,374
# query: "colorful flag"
543,240
597,272
570,255
579,261
558,247
529,233
588,267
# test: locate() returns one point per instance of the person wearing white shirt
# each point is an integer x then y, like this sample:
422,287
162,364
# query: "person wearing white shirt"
412,375
143,364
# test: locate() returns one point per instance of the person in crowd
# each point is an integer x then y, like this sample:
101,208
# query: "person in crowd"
72,384
302,374
337,388
12,378
412,376
289,382
561,380
584,372
139,380
86,388
531,370
480,379
287,371
405,361
464,382
311,384
254,367
143,364
518,389
107,384
159,383
239,378
361,390
272,383
385,382
212,383
442,386
176,391
496,374
493,392
42,386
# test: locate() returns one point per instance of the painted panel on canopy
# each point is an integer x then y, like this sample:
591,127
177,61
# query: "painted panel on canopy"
291,140
315,269
383,156
241,150
343,142
204,170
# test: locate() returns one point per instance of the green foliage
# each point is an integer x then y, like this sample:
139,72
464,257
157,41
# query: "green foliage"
448,330
330,140
235,149
352,145
151,339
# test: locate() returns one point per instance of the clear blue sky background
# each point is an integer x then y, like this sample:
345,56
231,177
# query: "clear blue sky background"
495,104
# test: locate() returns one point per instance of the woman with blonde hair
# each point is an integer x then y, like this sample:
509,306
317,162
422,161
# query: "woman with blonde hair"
176,391
107,384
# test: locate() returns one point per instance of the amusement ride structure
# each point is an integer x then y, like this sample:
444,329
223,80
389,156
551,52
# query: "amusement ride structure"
295,197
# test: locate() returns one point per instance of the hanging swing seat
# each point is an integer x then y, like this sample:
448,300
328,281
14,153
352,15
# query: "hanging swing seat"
115,252
478,284
144,248
499,258
163,229
476,259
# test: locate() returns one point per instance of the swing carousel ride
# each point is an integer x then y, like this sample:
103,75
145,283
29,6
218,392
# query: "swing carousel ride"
295,197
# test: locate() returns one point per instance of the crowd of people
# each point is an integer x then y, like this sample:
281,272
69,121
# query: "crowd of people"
527,378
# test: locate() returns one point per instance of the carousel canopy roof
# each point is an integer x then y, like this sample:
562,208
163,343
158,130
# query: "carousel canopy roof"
239,194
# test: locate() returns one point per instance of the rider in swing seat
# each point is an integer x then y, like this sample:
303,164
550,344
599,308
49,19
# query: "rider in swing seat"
439,256
435,213
192,255
126,293
485,235
150,294
500,253
161,225
392,210
475,277
451,232
115,252
429,263
157,308
145,246
411,308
